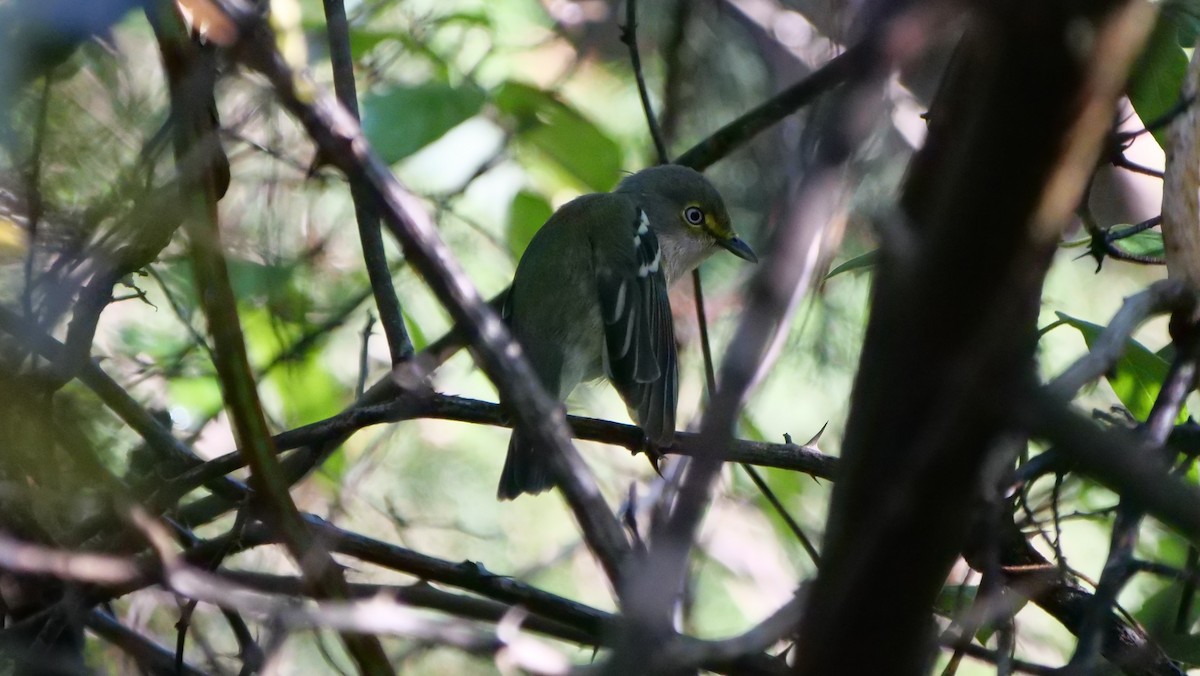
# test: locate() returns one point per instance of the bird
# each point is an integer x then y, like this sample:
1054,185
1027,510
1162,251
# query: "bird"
589,299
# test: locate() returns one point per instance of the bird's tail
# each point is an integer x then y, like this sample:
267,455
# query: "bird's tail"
526,469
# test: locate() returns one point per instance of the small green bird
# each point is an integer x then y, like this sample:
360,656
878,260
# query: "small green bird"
590,299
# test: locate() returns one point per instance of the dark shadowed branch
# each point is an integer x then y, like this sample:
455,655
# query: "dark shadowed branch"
921,432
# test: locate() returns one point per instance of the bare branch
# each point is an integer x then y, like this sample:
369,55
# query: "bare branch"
337,28
155,659
629,37
731,136
341,140
234,372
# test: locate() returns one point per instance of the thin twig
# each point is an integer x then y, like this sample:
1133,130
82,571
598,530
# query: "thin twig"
149,655
1115,235
629,37
361,383
374,257
1122,162
746,127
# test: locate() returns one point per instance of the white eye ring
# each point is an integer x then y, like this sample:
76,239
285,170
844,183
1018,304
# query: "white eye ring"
693,215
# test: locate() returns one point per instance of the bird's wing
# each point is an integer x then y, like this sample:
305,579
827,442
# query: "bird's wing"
638,334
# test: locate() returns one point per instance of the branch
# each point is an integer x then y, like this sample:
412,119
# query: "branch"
1103,454
406,405
374,616
102,569
400,346
377,614
1153,452
235,374
150,656
424,595
797,249
629,37
1162,296
1027,574
340,139
923,436
733,135
1181,179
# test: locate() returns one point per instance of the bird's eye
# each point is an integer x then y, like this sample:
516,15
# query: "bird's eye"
693,215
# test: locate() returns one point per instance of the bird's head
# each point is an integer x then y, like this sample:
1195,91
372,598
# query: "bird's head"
681,204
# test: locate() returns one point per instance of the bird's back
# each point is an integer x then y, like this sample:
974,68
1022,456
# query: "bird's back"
554,305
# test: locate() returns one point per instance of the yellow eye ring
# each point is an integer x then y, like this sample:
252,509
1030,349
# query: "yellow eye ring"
693,215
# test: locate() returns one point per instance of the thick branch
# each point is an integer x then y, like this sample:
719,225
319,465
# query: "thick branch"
948,353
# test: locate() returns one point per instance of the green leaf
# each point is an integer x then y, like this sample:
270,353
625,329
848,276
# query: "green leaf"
401,120
467,18
543,122
1186,16
1145,243
306,390
362,41
1157,78
199,395
415,333
1138,374
954,599
255,284
1157,616
526,215
334,468
1167,353
860,262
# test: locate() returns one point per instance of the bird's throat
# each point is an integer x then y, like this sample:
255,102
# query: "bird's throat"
681,254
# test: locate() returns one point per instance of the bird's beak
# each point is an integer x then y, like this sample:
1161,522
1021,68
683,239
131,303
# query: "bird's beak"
737,247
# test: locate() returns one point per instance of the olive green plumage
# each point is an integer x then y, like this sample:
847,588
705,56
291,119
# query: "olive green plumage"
590,298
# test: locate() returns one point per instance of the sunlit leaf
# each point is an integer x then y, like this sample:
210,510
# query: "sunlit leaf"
199,395
415,333
1145,243
307,390
544,122
401,120
364,39
1138,375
